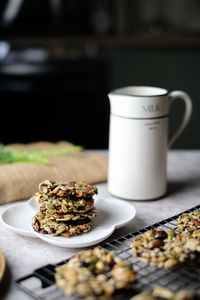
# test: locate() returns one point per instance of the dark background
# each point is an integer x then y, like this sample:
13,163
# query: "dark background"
60,58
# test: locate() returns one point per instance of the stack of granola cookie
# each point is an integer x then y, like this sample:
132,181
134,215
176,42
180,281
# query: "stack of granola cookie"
67,208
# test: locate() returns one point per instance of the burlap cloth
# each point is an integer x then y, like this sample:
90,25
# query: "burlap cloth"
20,180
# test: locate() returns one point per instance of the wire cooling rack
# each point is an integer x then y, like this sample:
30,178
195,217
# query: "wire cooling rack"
40,284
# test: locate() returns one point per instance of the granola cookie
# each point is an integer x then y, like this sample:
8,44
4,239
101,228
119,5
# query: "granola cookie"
94,274
162,293
68,189
189,222
64,205
61,216
65,228
164,249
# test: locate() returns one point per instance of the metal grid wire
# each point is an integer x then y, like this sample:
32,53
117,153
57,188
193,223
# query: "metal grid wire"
41,286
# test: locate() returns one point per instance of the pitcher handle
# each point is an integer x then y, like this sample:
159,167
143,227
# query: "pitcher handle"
188,111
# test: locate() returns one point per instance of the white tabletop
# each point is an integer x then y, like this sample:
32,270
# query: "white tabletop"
24,255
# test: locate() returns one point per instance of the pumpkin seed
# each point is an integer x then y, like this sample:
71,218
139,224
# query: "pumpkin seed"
180,228
171,233
92,259
64,208
91,268
60,230
41,216
170,255
197,213
50,206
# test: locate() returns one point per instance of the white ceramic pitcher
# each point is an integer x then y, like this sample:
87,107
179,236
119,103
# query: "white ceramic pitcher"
138,140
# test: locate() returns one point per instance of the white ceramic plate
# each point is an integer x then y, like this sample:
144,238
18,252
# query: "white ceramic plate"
18,217
113,213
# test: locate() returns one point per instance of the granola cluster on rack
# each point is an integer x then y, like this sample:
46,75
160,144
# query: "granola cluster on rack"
66,208
93,274
162,293
189,222
166,249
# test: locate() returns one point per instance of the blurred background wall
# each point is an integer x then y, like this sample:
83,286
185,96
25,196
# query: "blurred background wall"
60,58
